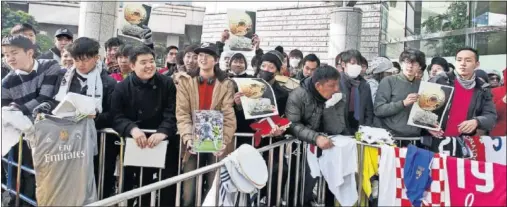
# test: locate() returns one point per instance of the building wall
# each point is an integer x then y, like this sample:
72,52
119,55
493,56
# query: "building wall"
305,27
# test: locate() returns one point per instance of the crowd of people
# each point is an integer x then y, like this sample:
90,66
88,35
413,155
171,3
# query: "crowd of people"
133,94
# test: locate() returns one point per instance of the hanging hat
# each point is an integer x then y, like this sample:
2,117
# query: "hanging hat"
247,169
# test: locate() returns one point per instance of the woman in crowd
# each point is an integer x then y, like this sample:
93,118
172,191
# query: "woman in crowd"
67,62
378,71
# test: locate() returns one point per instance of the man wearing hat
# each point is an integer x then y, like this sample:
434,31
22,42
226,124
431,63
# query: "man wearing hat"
63,37
207,88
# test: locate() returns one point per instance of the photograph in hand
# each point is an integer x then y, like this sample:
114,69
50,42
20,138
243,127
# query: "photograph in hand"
134,23
258,100
207,131
431,106
242,29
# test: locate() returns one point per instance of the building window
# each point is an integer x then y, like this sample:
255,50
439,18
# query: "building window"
395,12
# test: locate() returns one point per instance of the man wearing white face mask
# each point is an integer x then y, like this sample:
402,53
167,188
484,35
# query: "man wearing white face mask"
359,106
295,57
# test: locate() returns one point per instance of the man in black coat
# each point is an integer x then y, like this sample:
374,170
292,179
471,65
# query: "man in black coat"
146,99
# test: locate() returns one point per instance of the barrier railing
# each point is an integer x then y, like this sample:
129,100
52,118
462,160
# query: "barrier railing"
19,168
177,179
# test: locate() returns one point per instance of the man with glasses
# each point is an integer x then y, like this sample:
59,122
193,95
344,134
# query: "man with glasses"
207,88
170,61
396,94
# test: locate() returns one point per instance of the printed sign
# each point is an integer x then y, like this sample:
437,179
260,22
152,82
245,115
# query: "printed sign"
428,111
242,28
258,100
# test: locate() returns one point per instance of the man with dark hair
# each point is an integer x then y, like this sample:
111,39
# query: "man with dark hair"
357,92
494,80
207,88
88,77
29,83
306,109
189,62
310,63
112,45
146,99
170,61
472,111
122,58
26,30
397,93
337,62
63,37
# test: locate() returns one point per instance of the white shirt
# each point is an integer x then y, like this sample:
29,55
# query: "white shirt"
387,177
338,166
22,72
495,149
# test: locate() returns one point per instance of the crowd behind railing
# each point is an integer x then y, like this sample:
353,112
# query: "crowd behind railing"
314,102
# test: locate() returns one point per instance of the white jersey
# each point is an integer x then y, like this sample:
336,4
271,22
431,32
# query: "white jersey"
338,165
63,153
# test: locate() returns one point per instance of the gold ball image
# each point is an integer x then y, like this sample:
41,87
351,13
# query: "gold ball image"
431,99
134,13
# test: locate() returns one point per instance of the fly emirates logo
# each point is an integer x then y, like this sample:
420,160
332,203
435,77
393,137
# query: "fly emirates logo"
65,151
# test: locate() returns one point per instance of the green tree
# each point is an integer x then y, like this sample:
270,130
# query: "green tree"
453,19
45,42
11,18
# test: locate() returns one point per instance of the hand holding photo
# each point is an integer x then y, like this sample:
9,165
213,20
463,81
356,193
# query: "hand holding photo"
258,100
431,106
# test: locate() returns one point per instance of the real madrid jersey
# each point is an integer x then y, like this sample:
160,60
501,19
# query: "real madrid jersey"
63,153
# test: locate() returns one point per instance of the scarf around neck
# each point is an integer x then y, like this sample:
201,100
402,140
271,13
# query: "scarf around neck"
93,81
467,84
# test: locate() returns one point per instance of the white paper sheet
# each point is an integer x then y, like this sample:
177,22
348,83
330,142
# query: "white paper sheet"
147,157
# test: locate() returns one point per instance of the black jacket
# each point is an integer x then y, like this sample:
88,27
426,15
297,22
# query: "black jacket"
481,108
102,120
146,105
308,115
366,104
49,54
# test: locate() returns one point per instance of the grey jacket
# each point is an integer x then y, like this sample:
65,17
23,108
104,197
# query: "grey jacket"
309,117
389,110
481,108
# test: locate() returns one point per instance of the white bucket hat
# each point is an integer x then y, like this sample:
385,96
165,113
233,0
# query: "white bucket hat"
247,169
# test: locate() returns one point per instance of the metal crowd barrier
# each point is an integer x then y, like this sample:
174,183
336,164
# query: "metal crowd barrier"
180,178
10,163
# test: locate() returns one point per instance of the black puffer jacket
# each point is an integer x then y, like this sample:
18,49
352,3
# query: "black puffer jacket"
306,110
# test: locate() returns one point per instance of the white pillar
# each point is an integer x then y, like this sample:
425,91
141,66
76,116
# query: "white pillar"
172,40
344,31
97,20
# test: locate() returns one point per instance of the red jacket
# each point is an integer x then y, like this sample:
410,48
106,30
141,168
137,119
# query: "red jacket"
501,111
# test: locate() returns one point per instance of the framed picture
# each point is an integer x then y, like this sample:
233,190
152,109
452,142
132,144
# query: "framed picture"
258,100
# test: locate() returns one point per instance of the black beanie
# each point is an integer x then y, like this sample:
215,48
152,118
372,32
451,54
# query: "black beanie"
279,49
439,61
272,57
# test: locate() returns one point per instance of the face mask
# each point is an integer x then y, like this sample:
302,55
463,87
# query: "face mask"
265,75
294,63
353,70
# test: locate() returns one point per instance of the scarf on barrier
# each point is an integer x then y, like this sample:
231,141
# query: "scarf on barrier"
93,83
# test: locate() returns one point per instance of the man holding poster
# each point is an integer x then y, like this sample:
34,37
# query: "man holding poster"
471,106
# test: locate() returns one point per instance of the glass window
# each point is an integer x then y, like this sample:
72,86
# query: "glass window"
489,13
439,47
393,51
490,43
396,20
444,16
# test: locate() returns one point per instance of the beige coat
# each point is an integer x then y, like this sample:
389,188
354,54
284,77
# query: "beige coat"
187,100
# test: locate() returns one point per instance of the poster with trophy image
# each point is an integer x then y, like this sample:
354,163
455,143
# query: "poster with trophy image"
135,19
258,100
433,103
242,28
